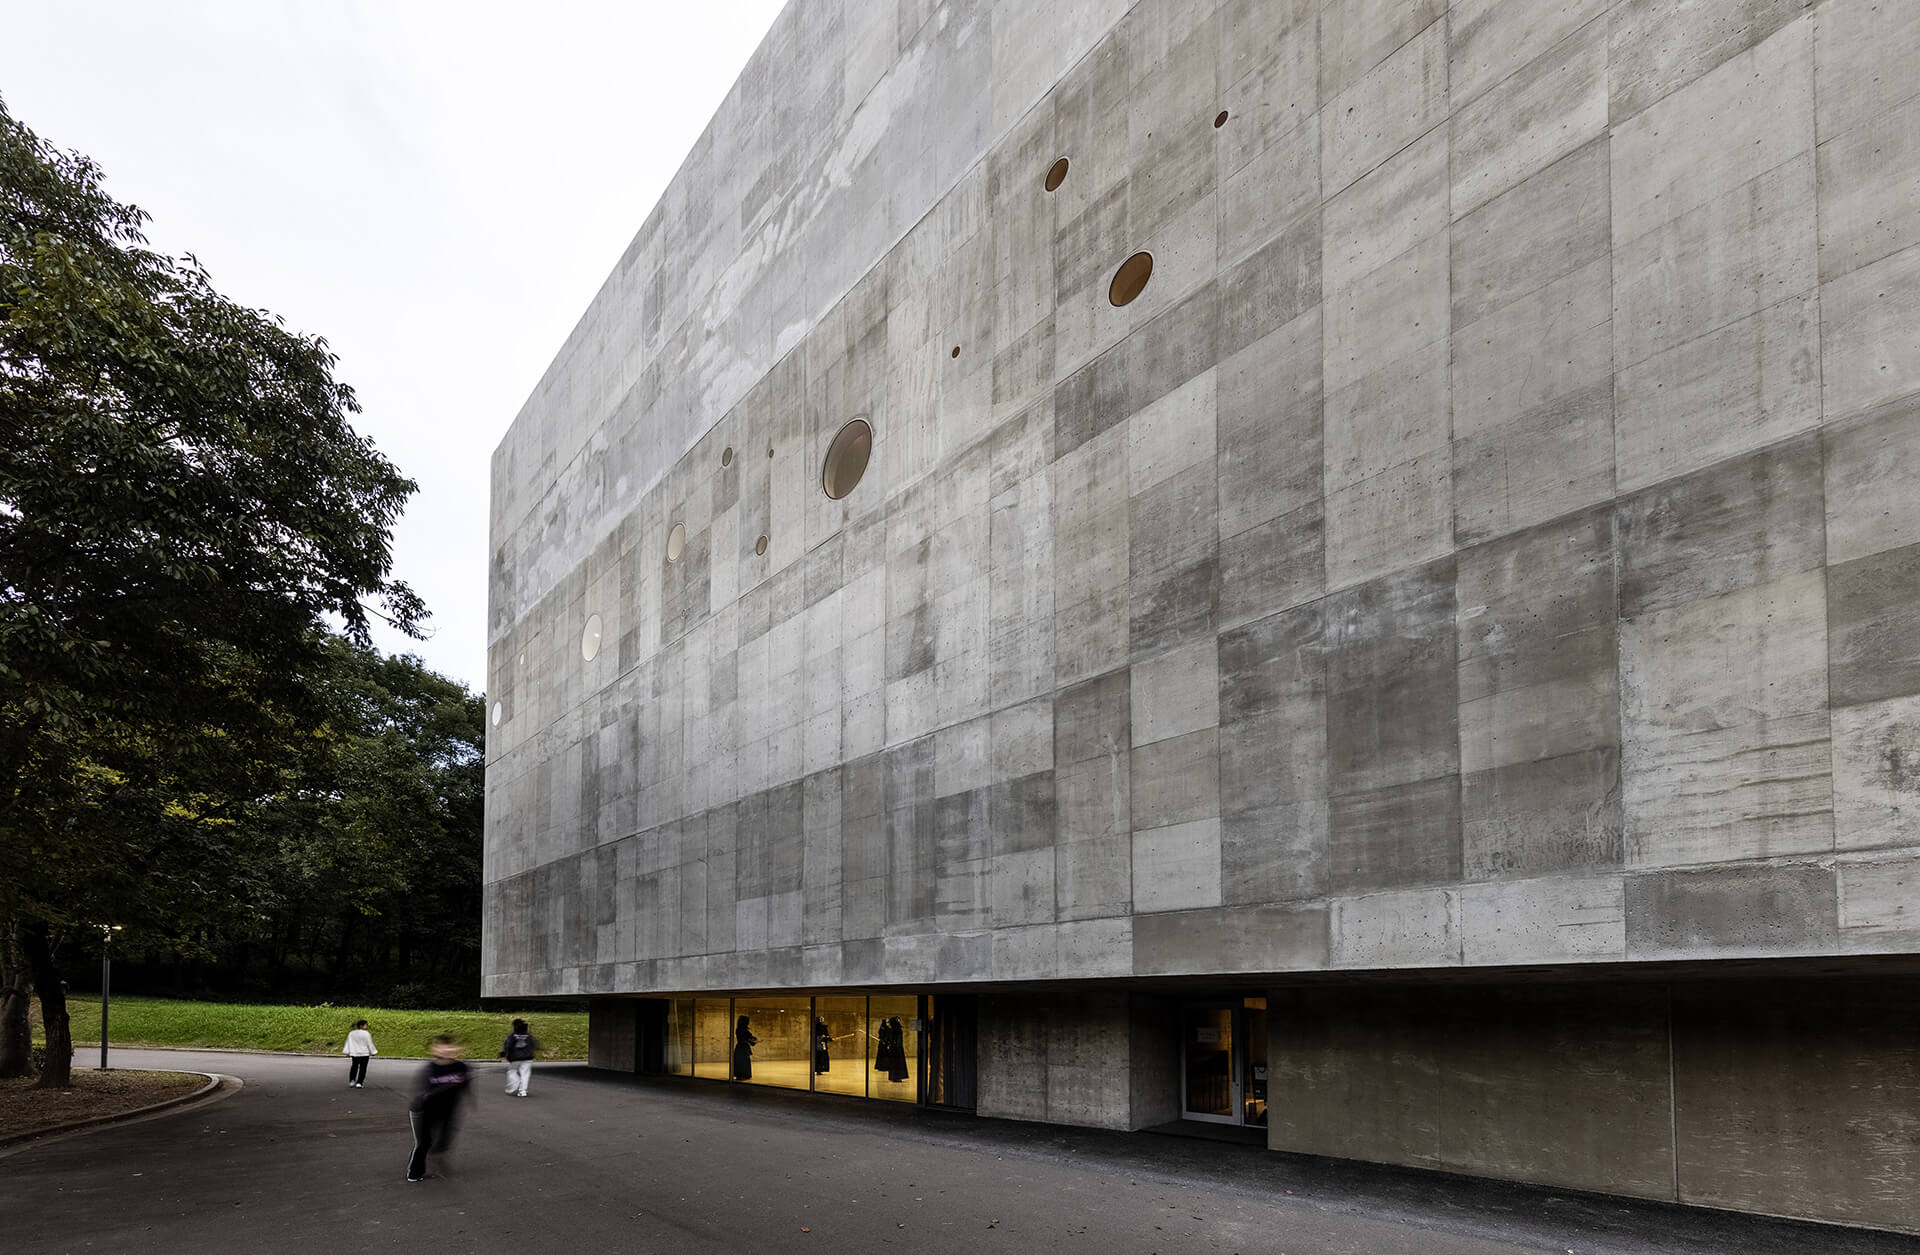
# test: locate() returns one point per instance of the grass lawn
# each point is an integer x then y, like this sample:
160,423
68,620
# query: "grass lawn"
312,1030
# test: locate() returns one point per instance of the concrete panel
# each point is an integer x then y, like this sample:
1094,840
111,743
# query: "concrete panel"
1177,868
1826,1072
1483,49
1752,909
1379,113
1231,939
1863,49
1747,521
1873,622
1872,464
1739,388
1568,919
1416,928
1386,314
1870,350
1757,107
1870,191
1727,259
1385,212
1659,46
1530,119
1876,775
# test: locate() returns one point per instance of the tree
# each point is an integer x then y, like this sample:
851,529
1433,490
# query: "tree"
184,505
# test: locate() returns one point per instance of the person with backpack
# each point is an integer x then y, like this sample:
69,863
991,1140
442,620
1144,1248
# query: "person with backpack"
518,1050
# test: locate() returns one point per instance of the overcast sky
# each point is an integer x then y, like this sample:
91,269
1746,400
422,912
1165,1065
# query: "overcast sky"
437,188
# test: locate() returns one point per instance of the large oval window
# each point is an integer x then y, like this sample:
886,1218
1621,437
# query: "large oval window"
847,458
1131,279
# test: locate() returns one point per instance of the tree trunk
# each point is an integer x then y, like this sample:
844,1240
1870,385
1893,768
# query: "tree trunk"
53,1006
16,1034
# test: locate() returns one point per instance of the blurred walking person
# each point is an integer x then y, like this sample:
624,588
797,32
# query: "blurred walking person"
518,1050
436,1105
359,1049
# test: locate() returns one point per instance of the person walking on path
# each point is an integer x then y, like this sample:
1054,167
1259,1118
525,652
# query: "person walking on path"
436,1103
359,1049
518,1050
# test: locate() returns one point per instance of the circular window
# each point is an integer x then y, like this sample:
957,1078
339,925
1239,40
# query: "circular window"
496,714
847,458
760,546
769,450
590,638
1131,279
1057,175
1220,119
676,542
726,456
956,350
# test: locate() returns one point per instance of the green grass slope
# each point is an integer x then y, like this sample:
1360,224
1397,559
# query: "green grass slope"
313,1029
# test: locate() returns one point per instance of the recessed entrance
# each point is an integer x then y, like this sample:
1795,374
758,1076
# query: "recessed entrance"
1223,1062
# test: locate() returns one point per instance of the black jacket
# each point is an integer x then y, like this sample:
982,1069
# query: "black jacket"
441,1087
519,1047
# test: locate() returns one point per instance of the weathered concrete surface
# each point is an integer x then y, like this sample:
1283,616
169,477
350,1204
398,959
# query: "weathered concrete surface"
590,1162
1489,539
1791,1098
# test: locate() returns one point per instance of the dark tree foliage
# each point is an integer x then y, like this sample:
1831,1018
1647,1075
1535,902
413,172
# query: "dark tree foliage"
184,506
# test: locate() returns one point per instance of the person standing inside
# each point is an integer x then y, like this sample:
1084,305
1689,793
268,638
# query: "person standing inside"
436,1104
743,1044
518,1050
359,1049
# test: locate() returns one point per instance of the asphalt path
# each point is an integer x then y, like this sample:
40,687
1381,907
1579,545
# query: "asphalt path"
589,1162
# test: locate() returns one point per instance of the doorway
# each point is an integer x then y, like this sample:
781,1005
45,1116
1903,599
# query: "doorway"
1223,1062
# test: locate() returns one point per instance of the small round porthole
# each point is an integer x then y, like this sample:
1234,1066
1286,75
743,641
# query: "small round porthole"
496,714
1131,279
769,450
676,542
956,350
1219,119
847,459
760,546
1057,175
590,638
726,456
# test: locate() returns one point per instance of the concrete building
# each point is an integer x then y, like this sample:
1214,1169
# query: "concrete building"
1435,675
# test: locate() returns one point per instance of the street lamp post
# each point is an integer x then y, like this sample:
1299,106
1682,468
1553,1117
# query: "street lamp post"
106,983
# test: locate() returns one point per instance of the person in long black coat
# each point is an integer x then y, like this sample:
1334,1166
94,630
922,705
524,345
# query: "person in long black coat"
822,1043
899,1070
743,1043
883,1047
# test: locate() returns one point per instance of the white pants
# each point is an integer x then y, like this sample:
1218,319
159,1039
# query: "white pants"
517,1074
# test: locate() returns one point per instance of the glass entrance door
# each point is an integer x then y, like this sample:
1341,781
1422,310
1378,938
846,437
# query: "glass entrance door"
1210,1083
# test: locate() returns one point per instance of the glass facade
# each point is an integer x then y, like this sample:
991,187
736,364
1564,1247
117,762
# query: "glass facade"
864,1047
840,1048
712,1037
893,1046
676,1056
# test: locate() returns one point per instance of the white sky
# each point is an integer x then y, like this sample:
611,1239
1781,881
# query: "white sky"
437,188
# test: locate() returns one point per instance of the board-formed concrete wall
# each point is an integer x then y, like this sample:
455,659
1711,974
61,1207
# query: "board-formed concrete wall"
1492,538
1793,1098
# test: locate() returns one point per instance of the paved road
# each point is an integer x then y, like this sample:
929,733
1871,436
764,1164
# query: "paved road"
295,1161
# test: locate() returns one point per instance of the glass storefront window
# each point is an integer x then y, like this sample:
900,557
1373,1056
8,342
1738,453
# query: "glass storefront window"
677,1057
779,1032
840,1046
712,1037
893,1048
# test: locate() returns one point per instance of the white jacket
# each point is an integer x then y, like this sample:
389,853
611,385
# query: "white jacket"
359,1042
